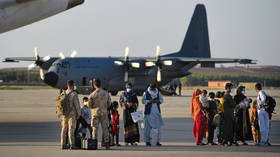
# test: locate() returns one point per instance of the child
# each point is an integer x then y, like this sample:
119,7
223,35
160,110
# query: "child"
115,122
220,109
212,110
86,115
204,101
203,98
254,123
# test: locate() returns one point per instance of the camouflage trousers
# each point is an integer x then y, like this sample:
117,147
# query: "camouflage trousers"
68,125
103,120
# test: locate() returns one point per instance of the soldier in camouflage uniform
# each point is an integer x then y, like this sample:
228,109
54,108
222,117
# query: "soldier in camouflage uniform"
68,122
99,102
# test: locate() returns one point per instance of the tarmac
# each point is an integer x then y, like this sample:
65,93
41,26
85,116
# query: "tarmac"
29,127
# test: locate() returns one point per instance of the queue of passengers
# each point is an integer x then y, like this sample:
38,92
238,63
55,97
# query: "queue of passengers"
231,117
98,109
228,115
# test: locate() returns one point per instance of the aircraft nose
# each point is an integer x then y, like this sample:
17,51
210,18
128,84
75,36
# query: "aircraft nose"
73,3
51,78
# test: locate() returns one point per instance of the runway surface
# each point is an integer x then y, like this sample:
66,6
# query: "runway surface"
29,127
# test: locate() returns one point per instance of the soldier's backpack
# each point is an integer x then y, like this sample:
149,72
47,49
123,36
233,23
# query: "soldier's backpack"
63,104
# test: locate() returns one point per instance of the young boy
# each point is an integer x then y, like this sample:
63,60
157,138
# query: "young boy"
86,115
115,122
220,109
212,110
255,124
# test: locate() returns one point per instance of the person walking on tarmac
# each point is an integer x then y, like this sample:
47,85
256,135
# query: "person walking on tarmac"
99,102
68,121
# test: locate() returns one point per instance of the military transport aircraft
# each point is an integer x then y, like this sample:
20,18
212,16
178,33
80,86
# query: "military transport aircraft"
17,13
115,71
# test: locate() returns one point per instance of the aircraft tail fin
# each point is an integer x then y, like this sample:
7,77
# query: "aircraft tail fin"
196,42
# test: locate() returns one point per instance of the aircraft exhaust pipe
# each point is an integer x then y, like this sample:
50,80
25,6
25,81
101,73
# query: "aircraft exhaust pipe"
73,3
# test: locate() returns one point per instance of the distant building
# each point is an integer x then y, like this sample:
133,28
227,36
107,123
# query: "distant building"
218,84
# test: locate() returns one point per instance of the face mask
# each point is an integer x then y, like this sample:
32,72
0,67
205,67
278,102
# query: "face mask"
231,90
128,89
75,88
86,103
243,92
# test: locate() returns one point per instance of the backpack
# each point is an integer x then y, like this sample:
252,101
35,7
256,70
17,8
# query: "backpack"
63,104
270,104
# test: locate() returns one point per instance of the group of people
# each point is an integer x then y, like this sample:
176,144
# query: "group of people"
99,109
231,116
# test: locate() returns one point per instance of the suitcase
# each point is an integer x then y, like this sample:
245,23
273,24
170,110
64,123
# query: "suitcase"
89,144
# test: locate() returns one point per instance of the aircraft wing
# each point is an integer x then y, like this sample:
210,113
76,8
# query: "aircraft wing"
217,60
43,64
17,59
205,62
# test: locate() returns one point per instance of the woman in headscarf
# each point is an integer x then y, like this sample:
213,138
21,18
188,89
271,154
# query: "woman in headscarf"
243,130
199,117
129,103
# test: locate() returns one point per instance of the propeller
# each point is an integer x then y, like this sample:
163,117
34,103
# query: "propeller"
127,64
61,55
42,74
39,61
72,55
158,63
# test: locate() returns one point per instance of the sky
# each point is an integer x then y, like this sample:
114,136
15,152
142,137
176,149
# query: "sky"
237,29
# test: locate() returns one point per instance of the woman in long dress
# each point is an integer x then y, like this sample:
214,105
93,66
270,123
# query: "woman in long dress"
243,131
129,103
199,117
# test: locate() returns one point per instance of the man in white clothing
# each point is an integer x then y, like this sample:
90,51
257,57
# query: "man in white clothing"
152,99
262,115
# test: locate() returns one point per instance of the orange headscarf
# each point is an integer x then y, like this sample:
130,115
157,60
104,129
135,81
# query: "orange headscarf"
195,103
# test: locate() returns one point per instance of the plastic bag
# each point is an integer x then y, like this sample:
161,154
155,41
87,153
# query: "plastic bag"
137,116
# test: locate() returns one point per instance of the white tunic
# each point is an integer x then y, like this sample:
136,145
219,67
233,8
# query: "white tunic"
154,119
261,98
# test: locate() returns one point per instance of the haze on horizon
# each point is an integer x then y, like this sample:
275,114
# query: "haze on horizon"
237,29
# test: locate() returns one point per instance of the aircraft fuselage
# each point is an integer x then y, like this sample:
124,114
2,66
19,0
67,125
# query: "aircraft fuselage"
82,70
